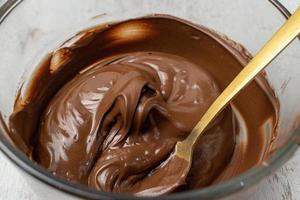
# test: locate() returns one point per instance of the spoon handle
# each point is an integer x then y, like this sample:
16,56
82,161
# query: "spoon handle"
272,48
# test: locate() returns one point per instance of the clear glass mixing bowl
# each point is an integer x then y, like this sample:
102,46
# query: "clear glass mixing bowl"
29,29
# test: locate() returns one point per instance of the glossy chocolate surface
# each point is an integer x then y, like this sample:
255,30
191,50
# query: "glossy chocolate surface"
107,107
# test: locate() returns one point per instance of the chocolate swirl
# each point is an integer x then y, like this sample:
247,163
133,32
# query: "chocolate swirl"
124,116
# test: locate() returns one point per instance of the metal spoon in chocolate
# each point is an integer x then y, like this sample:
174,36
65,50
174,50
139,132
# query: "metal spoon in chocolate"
178,166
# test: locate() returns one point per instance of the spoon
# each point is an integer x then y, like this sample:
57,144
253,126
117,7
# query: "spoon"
176,168
281,39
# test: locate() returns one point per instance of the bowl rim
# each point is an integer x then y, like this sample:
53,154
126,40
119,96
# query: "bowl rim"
231,186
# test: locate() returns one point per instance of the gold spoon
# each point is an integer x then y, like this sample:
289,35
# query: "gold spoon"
177,167
286,34
282,38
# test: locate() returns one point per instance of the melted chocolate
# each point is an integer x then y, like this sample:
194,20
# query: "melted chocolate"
107,108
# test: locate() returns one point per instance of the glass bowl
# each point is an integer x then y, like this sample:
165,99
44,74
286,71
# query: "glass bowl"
30,29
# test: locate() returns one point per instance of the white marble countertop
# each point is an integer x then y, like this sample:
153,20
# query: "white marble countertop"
286,179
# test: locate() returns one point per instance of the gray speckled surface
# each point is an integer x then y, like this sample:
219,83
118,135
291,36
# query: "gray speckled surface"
284,184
